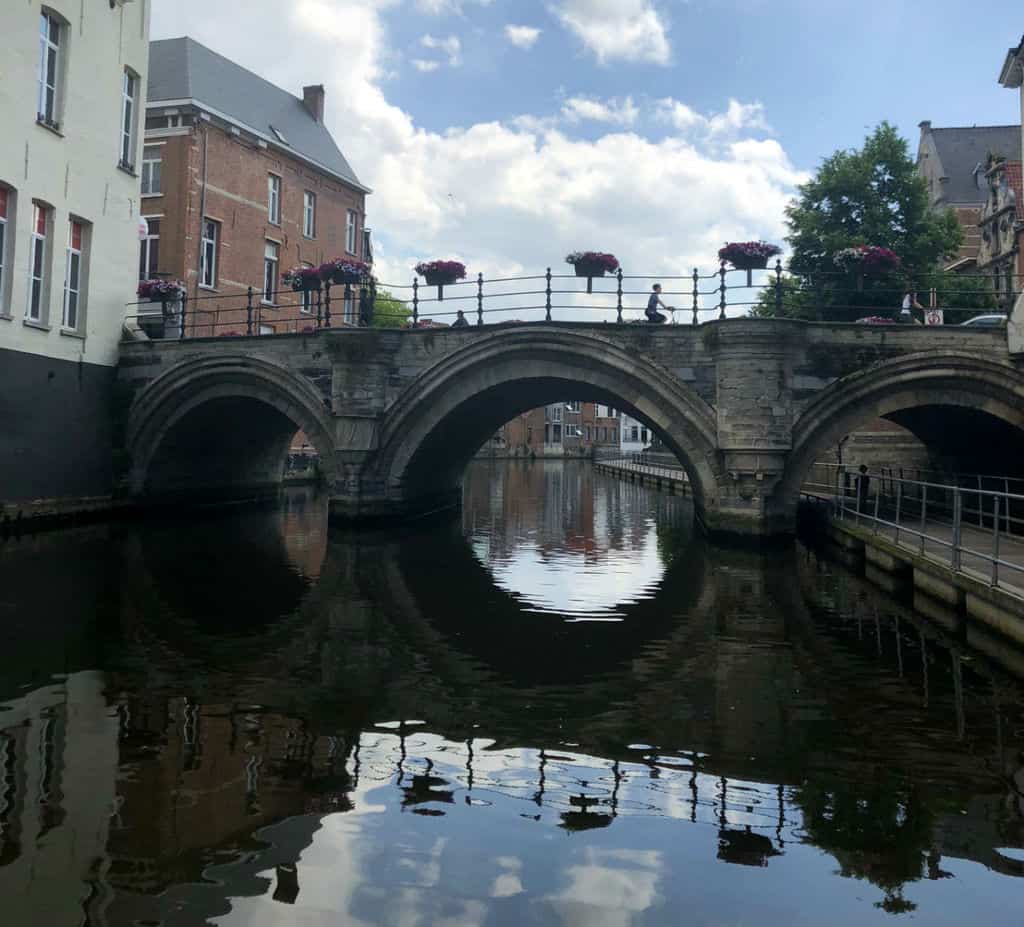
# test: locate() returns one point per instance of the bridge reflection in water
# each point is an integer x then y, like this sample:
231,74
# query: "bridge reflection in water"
263,725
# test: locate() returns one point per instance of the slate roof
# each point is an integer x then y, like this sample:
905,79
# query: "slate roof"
961,150
182,69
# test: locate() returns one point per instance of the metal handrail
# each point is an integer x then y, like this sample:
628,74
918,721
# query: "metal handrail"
867,507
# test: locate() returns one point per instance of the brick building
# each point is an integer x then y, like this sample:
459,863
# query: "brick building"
955,163
559,429
241,181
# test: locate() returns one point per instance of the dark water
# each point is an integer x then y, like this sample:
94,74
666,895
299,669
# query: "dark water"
567,709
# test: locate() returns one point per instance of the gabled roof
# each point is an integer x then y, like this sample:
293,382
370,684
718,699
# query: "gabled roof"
1012,73
961,150
182,69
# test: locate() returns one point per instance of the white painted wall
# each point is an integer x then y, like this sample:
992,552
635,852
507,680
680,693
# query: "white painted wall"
628,445
75,172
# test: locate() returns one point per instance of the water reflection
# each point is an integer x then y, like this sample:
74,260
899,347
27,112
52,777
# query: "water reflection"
246,722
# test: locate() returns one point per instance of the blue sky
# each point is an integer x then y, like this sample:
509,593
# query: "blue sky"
825,72
505,133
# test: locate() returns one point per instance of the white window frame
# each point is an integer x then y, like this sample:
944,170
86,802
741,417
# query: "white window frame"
273,199
129,95
351,225
309,214
8,198
146,248
147,171
208,259
73,287
271,263
37,253
48,108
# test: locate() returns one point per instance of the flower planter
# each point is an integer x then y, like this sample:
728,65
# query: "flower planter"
750,263
440,280
341,277
306,286
589,271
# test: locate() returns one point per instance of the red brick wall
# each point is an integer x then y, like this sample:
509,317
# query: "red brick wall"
236,196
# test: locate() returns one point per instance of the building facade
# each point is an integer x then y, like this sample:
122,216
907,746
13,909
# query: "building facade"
240,182
71,102
955,163
561,429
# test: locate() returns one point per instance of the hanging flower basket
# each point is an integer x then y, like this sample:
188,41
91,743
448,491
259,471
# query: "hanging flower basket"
161,291
441,273
344,271
748,255
302,279
592,264
866,261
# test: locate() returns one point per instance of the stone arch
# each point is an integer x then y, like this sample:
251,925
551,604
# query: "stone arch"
446,414
910,382
220,425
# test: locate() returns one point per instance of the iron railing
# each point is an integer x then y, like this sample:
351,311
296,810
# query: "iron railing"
619,298
964,526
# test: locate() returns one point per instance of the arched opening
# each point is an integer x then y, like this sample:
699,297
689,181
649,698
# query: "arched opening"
968,414
443,418
222,428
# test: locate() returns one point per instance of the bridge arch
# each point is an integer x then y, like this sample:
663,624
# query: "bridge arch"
221,425
895,389
443,417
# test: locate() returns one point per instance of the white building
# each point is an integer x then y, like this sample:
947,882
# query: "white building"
72,80
636,436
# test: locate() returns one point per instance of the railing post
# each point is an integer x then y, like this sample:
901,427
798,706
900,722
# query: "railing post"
480,298
778,287
899,500
721,290
327,304
618,276
877,500
696,279
981,506
248,311
184,308
319,308
995,541
958,514
415,300
547,301
924,511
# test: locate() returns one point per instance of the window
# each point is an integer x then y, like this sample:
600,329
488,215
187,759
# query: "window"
152,165
5,209
634,433
604,434
350,232
270,257
129,88
74,272
588,433
274,199
309,214
149,251
208,263
556,413
50,36
643,435
37,264
573,406
556,434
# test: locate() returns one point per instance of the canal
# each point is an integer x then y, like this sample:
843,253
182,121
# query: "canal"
562,707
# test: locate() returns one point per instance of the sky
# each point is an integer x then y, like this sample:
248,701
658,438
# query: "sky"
506,133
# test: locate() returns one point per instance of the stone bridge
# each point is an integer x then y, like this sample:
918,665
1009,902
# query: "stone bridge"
746,404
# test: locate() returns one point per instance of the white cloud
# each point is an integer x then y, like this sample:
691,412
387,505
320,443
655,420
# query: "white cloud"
439,7
522,36
627,30
738,118
618,112
450,45
525,191
425,66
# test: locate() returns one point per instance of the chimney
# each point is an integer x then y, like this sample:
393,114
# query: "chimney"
925,125
313,98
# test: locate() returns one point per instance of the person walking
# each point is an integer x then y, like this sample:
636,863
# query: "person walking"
460,320
652,306
909,302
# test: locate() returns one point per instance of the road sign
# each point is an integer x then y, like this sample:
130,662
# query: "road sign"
933,317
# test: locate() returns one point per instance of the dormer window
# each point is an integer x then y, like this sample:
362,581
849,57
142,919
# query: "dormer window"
279,135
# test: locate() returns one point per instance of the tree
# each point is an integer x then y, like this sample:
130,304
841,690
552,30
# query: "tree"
389,311
870,196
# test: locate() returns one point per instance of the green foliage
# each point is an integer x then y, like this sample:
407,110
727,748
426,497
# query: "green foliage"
389,311
870,196
797,301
